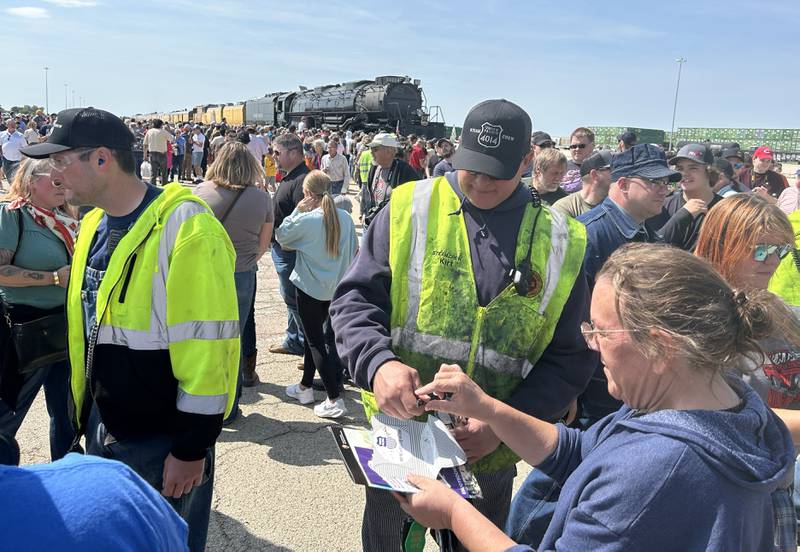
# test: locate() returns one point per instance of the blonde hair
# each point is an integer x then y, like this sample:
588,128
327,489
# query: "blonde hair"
234,167
711,325
549,157
732,228
21,185
319,184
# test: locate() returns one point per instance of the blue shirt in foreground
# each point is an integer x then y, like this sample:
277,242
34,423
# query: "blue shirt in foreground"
672,481
85,503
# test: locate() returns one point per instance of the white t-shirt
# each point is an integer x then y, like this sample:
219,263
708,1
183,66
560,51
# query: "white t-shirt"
198,141
11,144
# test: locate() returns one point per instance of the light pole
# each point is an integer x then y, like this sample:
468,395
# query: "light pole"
73,98
46,91
65,96
680,61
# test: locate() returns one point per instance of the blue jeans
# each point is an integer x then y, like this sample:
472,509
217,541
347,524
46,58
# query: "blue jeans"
245,288
55,379
146,457
284,265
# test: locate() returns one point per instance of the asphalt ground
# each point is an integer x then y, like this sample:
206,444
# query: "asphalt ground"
280,484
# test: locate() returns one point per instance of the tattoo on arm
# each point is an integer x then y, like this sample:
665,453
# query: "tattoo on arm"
8,270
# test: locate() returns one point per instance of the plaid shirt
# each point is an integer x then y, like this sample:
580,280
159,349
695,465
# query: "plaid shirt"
785,520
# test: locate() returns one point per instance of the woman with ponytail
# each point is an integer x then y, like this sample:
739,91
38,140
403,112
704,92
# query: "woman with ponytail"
325,240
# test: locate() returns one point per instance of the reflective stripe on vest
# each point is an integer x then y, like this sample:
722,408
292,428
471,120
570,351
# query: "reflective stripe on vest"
201,404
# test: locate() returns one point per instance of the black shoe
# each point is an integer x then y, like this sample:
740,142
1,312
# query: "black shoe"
318,386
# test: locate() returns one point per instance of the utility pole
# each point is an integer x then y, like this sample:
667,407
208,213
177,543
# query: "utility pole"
73,98
46,91
65,96
680,61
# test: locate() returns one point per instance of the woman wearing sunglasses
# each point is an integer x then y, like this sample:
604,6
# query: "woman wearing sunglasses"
745,238
36,244
694,460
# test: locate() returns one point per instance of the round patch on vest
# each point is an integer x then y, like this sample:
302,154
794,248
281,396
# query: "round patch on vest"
535,286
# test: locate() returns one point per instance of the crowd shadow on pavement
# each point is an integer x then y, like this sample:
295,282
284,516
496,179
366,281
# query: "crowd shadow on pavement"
296,442
227,534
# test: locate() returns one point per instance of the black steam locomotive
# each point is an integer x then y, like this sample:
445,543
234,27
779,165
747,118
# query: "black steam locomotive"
386,103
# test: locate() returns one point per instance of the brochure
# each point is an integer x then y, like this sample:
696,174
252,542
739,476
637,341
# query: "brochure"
385,455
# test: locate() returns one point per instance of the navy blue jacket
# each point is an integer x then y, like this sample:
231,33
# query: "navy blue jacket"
672,480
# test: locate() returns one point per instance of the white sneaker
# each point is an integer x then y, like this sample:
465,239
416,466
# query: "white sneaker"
303,396
331,409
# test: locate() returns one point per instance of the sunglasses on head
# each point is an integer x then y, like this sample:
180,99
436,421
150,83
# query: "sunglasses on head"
577,146
762,251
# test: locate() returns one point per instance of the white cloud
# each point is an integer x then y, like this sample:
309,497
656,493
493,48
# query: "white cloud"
73,3
28,12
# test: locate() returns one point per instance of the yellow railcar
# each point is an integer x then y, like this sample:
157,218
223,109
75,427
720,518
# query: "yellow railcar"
234,114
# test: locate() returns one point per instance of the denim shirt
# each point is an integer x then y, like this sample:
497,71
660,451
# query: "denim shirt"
608,226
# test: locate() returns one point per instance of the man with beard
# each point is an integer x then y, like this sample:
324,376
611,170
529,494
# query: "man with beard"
548,172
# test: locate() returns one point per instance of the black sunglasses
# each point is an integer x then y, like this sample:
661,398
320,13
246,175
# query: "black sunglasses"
577,146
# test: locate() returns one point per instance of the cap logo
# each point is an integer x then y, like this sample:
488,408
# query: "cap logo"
490,135
695,154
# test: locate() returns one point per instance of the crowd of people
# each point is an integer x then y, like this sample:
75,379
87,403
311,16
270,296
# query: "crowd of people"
626,321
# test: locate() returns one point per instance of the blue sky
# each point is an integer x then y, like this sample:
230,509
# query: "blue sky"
567,63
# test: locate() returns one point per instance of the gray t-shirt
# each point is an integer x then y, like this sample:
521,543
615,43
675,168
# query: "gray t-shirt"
777,379
245,219
40,250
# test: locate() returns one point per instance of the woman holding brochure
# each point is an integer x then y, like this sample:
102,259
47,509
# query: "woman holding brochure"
694,460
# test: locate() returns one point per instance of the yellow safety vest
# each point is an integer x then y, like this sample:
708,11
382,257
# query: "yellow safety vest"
436,317
168,286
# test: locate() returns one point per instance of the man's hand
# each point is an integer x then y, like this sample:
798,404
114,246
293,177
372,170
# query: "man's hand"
477,439
696,207
433,506
393,385
181,477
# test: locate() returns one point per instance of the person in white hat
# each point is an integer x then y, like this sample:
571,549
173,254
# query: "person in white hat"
387,173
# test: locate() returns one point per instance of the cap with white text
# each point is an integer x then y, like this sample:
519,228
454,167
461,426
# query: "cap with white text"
495,139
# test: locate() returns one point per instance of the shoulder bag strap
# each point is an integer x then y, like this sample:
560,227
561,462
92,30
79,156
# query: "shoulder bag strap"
19,236
230,207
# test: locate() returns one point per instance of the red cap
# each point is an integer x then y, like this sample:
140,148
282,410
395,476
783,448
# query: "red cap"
764,152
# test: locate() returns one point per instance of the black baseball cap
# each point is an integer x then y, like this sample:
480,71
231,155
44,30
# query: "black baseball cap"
628,138
724,167
542,139
495,139
645,160
732,152
85,127
599,160
699,153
